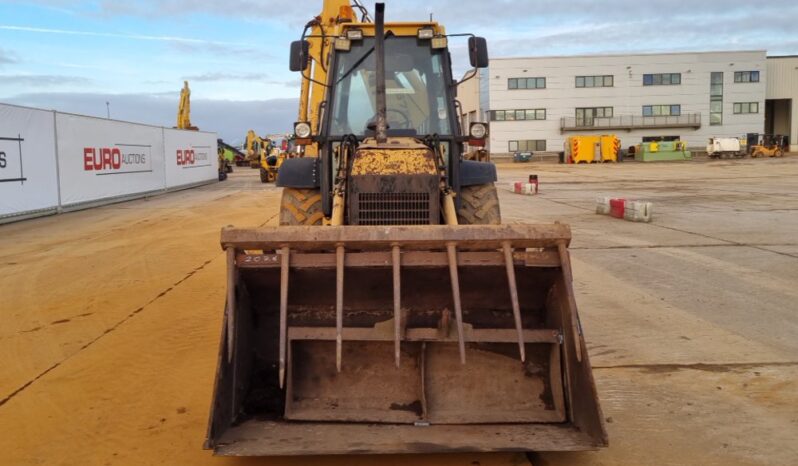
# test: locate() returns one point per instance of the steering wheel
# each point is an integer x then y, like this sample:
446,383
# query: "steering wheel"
405,123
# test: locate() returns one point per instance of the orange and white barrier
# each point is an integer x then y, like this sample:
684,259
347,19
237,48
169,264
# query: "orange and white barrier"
528,188
633,211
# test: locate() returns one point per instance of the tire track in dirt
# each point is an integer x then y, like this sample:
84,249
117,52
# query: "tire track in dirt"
112,328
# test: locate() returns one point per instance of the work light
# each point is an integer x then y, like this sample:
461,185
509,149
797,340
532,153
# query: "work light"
302,130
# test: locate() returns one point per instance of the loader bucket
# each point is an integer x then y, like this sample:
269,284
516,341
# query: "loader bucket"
402,339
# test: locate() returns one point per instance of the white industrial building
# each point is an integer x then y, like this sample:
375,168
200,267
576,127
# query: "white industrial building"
533,104
781,104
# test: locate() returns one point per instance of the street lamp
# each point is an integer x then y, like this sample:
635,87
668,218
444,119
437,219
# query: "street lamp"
108,109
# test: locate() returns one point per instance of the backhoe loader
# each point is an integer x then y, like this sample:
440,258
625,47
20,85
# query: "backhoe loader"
391,311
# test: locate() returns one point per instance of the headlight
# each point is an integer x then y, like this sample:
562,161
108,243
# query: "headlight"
426,33
354,34
478,131
342,44
302,130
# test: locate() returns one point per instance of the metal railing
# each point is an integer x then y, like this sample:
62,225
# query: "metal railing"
630,122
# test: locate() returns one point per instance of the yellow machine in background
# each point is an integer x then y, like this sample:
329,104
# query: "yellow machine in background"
592,149
184,109
767,145
255,148
280,148
270,164
391,311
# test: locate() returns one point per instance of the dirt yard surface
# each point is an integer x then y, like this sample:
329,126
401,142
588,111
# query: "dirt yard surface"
111,318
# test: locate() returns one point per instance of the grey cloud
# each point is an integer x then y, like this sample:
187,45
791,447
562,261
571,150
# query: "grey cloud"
42,80
530,27
230,119
212,48
214,77
454,12
144,37
253,77
7,57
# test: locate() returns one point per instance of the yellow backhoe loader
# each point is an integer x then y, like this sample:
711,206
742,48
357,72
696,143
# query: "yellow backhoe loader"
391,311
270,164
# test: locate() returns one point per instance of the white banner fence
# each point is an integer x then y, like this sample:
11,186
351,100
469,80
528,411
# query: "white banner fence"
52,161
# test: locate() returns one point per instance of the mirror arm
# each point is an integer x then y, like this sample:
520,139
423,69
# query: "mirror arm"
468,76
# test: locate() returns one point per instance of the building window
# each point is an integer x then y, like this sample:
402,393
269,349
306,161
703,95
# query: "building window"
746,107
518,115
746,76
527,145
526,83
661,138
662,79
594,81
662,110
716,98
585,116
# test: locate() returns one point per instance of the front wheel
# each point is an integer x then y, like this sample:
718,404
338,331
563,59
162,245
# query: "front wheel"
479,205
301,207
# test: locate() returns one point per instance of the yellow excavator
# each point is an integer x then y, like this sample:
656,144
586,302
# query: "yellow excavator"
184,109
255,148
391,311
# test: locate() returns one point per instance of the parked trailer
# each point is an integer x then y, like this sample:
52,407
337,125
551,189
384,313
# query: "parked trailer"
724,148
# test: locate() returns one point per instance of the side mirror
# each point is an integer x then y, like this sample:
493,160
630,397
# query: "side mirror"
300,54
478,52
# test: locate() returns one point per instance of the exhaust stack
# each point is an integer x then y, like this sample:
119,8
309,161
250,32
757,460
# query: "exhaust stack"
379,49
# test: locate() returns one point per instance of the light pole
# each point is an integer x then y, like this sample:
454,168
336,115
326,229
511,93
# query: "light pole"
108,109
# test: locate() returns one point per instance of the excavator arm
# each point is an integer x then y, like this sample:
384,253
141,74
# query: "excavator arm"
184,109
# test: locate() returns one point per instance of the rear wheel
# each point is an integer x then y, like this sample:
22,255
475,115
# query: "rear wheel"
479,205
301,207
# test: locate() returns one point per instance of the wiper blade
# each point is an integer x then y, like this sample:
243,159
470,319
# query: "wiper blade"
355,65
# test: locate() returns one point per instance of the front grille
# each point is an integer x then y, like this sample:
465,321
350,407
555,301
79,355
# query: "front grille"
393,209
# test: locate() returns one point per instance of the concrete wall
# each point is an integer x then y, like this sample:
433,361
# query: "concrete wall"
782,83
627,96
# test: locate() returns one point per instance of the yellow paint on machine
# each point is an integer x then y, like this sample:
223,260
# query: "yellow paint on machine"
389,161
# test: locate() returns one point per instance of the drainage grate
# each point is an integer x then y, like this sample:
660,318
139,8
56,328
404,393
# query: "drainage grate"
393,209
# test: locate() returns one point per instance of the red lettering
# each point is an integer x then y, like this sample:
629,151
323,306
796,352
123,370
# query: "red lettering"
185,157
107,162
116,158
88,155
97,159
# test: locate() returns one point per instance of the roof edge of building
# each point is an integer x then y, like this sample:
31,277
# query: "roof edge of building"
634,54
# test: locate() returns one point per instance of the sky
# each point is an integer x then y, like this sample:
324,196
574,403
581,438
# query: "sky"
76,55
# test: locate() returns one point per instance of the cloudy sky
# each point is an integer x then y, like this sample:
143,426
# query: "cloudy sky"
75,55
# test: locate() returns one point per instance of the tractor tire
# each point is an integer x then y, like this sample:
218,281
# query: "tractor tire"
479,205
301,207
264,176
